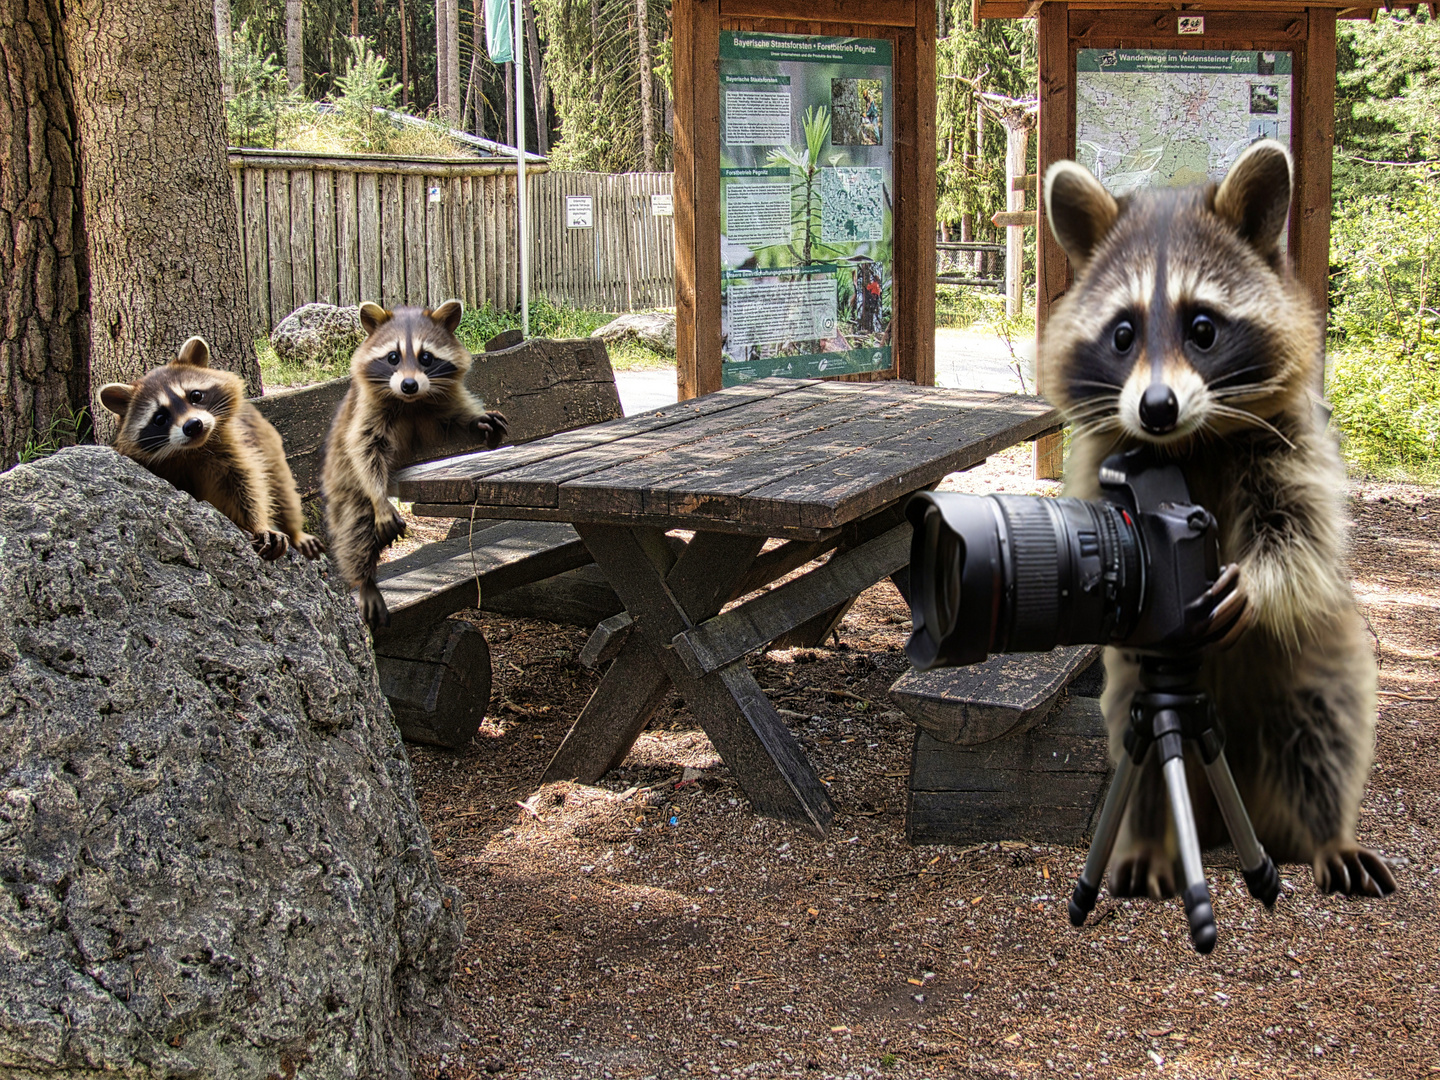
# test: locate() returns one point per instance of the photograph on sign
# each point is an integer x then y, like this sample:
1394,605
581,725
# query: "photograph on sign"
806,191
1161,118
579,212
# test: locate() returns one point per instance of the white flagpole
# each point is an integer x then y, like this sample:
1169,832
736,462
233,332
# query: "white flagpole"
520,166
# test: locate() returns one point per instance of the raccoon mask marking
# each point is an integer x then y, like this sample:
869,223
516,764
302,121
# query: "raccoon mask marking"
1177,326
411,355
173,409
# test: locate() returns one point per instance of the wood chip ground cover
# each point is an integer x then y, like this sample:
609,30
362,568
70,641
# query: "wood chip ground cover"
653,926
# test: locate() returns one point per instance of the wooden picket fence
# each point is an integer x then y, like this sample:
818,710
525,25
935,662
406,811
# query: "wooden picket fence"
340,230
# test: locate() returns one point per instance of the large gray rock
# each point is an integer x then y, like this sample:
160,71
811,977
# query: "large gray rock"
211,859
655,329
315,332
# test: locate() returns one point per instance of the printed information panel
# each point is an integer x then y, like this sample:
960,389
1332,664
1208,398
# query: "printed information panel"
1157,118
806,190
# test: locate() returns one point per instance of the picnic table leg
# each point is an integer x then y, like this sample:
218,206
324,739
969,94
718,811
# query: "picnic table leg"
613,718
741,722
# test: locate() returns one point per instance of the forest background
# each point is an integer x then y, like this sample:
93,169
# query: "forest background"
306,74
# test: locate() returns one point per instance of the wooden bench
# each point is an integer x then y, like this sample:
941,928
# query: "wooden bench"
436,670
1014,748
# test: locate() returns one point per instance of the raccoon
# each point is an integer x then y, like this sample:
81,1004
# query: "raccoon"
407,392
1185,333
190,423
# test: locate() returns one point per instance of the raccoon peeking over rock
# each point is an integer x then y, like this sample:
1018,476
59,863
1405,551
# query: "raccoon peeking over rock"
190,424
1184,332
407,391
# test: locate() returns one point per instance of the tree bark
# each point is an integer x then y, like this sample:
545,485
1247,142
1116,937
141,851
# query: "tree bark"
44,363
404,59
163,246
535,59
354,17
224,37
647,89
295,43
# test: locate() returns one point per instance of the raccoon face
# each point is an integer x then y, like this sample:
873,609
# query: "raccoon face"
175,408
411,353
1180,323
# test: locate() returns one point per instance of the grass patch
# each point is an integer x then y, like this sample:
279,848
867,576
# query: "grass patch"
68,428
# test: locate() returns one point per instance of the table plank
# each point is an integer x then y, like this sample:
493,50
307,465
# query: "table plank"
451,479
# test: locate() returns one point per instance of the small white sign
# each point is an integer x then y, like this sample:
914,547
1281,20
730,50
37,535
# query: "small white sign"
1190,24
434,194
579,212
662,205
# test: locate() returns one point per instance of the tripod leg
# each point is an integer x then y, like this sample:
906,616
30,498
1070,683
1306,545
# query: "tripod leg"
1261,877
1087,885
1197,893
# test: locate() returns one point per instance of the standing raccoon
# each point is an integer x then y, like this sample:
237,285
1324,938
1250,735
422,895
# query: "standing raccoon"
407,392
1184,333
190,424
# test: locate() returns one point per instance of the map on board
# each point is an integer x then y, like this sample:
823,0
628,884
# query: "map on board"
1156,118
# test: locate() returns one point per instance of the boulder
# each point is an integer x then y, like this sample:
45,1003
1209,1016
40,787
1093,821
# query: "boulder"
315,332
655,329
212,863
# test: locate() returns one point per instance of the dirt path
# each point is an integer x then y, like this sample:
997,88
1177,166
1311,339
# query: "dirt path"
654,927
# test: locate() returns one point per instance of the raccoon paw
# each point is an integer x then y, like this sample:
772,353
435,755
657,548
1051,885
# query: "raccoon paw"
372,605
269,545
1146,871
1346,867
492,427
312,547
389,530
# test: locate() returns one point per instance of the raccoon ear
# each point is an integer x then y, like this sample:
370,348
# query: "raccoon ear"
194,353
448,314
373,316
116,397
1079,209
1254,197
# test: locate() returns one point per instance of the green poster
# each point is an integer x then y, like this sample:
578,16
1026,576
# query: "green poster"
806,191
1157,117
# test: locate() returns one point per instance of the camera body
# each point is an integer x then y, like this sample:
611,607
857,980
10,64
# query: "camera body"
1019,573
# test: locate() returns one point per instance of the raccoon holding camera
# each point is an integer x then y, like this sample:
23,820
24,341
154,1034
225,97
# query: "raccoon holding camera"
1184,333
407,391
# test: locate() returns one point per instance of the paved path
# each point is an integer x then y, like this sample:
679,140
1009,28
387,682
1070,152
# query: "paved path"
964,360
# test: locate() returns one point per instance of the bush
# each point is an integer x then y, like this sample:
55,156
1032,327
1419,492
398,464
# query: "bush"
1384,380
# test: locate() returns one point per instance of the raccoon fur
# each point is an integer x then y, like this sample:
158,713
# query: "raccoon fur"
407,392
1184,332
190,423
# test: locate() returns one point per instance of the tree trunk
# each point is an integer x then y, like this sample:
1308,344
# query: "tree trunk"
647,90
294,43
442,54
536,62
354,16
162,241
472,91
44,365
404,59
224,37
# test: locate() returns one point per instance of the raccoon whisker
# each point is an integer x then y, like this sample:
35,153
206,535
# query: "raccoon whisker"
1251,418
1081,415
1095,382
1231,376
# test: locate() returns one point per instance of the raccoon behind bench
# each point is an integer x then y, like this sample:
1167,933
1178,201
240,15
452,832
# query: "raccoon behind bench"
407,391
1185,332
190,424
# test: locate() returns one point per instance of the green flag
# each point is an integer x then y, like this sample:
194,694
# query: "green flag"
498,34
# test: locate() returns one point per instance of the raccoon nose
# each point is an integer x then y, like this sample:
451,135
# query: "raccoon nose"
193,427
1158,409
409,386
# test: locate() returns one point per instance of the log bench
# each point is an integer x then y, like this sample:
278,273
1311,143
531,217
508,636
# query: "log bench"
1014,748
435,670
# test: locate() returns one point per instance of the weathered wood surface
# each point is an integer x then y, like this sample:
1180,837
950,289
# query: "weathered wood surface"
775,457
437,682
1002,696
1045,785
541,386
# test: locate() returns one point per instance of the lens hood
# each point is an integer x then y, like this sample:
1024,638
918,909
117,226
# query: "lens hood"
957,578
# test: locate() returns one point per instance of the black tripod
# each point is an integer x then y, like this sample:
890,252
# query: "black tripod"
1169,708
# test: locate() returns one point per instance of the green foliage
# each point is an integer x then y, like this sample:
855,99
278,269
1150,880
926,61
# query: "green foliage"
1385,331
366,86
804,168
261,94
66,428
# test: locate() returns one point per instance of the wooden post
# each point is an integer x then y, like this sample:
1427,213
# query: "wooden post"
1056,136
1017,142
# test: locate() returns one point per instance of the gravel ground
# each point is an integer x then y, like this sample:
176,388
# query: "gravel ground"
653,926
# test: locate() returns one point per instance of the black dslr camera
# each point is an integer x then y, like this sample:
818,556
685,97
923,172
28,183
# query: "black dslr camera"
1021,573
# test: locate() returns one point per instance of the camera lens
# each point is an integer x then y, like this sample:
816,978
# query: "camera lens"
1015,573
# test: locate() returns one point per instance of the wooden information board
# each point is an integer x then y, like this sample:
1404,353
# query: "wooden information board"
804,190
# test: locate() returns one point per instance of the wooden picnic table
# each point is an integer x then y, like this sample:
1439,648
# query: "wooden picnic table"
823,466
